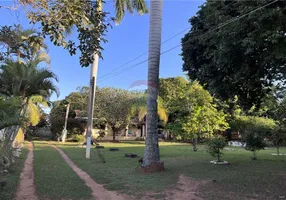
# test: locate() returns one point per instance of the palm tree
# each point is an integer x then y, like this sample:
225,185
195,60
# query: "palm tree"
152,153
33,87
120,7
26,45
139,109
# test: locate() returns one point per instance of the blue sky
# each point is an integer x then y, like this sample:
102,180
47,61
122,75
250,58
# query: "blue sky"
125,42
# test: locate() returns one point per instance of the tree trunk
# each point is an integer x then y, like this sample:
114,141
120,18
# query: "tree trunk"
113,134
254,156
152,154
278,150
195,141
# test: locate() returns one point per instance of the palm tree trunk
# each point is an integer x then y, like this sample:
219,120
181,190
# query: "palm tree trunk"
152,153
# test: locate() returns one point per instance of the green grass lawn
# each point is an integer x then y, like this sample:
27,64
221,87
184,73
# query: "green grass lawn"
264,178
13,177
54,179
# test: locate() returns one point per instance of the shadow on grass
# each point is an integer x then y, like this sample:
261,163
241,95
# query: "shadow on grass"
119,172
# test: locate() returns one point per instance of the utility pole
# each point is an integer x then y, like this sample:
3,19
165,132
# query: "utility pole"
92,88
64,133
93,76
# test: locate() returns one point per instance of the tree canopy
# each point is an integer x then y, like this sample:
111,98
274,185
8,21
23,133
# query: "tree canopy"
57,19
244,58
192,110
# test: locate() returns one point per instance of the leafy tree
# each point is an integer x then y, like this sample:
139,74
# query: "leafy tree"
243,58
252,124
197,113
278,136
79,100
171,91
113,106
254,143
59,18
215,146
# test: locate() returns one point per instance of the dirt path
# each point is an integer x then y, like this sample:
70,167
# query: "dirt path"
26,189
98,191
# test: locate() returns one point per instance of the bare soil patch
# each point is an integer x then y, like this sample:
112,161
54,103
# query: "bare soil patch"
186,189
26,189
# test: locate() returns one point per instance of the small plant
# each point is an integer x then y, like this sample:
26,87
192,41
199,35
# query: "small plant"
254,143
215,146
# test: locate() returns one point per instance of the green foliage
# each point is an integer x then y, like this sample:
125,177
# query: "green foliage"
138,108
254,143
172,91
9,111
236,59
58,18
113,105
251,124
193,111
26,45
278,136
78,138
215,146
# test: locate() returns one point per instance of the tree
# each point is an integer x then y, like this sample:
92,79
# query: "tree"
278,136
152,152
121,6
196,114
171,91
59,17
113,106
139,109
243,58
25,44
9,111
215,146
33,87
254,143
251,124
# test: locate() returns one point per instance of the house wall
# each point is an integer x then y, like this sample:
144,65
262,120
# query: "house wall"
130,134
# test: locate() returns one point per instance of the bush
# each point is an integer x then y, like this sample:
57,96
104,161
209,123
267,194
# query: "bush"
78,138
254,143
215,145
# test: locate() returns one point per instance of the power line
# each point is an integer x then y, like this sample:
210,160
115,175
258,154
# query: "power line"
212,30
115,71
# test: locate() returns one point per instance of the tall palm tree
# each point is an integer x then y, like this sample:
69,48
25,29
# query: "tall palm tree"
152,153
121,6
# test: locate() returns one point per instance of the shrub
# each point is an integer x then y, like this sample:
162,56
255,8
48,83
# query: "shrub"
78,138
254,143
215,145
